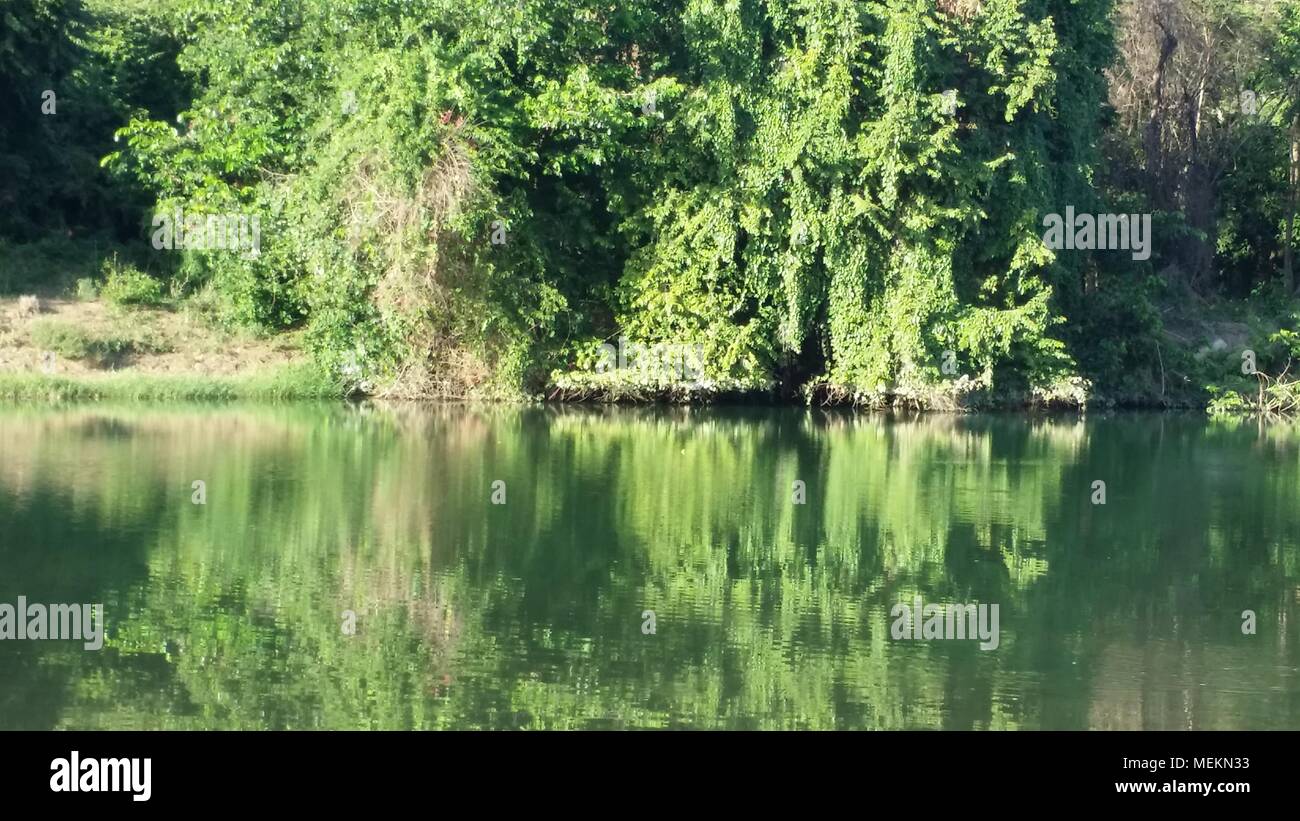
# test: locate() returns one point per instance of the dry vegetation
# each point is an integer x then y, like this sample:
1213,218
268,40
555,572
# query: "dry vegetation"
139,340
424,272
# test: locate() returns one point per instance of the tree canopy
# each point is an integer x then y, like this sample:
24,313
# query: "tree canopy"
828,196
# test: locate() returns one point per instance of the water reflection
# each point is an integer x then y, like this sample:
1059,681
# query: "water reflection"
769,614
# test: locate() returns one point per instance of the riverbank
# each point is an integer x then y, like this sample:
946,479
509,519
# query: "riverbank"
67,347
55,349
281,384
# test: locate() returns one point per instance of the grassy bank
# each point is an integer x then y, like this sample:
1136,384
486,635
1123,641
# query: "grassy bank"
294,382
61,347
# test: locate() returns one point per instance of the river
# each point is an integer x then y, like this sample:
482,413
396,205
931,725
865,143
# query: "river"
456,566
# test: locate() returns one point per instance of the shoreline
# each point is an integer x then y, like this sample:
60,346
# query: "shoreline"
303,382
288,383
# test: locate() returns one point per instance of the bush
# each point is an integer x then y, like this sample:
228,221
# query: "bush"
130,286
48,265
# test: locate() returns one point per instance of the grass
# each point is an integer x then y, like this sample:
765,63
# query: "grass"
73,342
295,382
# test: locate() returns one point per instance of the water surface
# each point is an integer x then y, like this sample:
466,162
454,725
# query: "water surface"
530,614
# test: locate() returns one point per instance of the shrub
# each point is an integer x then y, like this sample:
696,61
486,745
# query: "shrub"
47,265
130,286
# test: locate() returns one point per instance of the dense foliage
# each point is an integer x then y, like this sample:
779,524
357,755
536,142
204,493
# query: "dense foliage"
68,78
463,196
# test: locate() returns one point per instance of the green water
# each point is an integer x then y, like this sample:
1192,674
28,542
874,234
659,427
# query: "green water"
529,614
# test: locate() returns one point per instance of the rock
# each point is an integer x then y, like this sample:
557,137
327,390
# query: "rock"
29,305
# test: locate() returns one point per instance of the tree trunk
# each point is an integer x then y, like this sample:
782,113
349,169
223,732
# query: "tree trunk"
1153,139
1288,235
